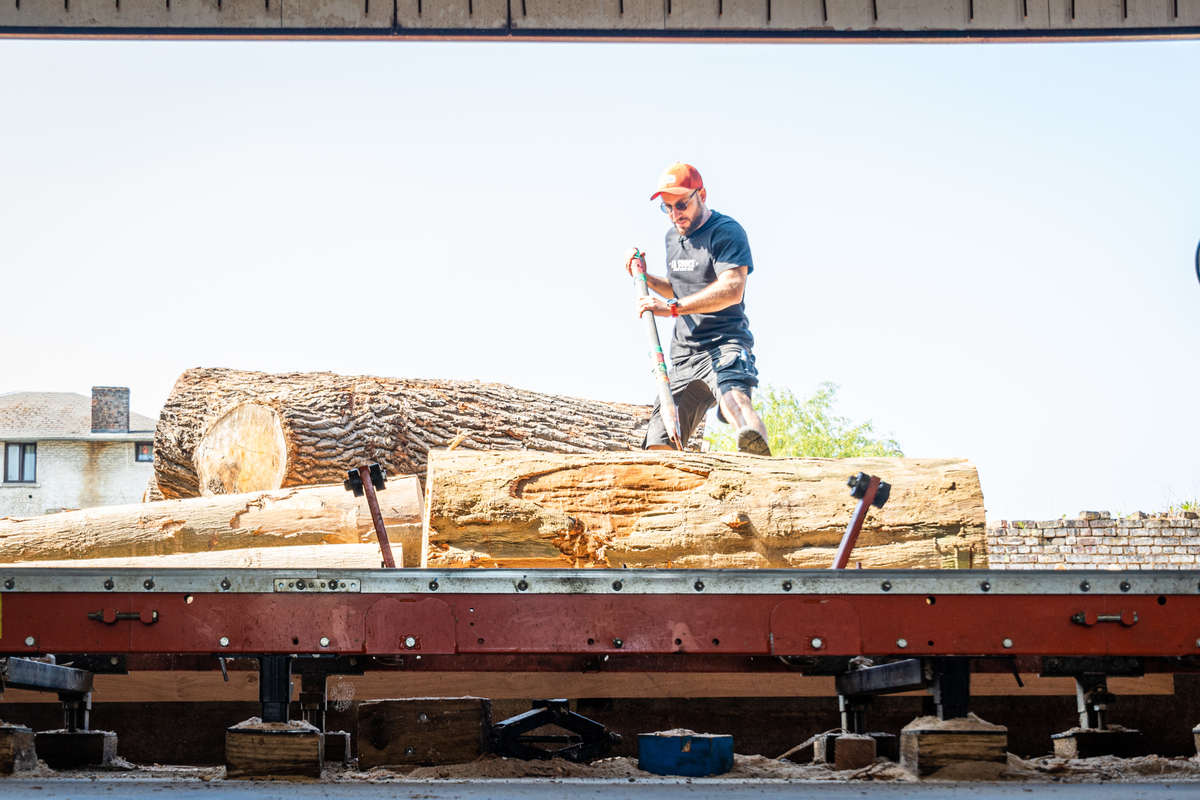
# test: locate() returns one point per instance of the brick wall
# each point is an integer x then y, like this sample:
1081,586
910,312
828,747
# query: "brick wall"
78,475
1096,541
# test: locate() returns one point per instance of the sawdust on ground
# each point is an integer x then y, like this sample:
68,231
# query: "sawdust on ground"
968,723
1104,768
1147,769
493,767
256,724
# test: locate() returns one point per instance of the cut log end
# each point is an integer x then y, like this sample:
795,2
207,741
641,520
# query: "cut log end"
243,451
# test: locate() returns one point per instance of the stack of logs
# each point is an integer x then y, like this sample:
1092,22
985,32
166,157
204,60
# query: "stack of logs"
250,466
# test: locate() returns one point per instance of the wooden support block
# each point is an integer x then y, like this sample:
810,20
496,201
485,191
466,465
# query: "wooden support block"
1089,744
854,751
425,731
929,744
64,750
844,750
273,751
16,749
337,747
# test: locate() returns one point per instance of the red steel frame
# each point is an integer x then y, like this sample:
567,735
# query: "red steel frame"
530,625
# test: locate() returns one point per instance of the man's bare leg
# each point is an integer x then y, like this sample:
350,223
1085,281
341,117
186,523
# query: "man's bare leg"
737,408
660,447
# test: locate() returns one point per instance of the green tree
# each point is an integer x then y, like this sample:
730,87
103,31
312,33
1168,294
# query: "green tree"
808,427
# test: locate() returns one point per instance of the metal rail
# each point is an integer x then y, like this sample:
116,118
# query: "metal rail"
602,581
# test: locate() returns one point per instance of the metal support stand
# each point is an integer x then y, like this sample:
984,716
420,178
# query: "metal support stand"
951,687
77,709
854,712
1095,738
591,739
313,701
275,687
1092,700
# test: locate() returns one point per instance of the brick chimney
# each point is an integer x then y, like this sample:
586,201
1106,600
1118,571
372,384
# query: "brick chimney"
110,409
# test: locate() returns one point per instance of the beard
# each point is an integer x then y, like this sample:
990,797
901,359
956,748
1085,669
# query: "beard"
686,227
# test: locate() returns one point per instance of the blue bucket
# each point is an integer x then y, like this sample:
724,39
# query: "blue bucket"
692,755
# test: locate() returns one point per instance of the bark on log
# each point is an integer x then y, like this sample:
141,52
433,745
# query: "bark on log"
301,516
223,431
661,509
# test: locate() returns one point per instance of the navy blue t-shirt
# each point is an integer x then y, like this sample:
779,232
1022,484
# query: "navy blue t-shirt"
694,262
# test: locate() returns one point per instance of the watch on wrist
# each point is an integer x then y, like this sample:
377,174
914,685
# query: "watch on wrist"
674,304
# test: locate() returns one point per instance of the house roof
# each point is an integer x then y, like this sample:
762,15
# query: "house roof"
63,416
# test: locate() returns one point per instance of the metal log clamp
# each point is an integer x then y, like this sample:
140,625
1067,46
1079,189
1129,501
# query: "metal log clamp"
868,491
365,480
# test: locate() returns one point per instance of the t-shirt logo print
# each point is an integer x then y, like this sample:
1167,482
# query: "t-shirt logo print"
684,264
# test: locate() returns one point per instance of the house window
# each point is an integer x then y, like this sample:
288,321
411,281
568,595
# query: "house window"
144,451
20,463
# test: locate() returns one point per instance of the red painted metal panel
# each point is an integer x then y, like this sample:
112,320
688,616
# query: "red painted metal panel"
611,624
590,625
812,626
424,626
59,623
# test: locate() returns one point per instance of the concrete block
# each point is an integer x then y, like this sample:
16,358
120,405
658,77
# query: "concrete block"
63,750
1090,744
887,745
337,747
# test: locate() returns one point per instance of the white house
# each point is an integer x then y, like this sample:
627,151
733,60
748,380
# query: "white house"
65,451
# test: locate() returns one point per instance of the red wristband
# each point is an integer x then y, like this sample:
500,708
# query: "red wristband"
674,304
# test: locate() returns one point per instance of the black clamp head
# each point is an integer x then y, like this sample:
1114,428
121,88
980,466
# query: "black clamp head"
353,482
858,489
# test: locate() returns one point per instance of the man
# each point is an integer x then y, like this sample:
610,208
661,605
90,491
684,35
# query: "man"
708,259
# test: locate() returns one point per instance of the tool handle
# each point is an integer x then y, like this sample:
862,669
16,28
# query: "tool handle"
666,403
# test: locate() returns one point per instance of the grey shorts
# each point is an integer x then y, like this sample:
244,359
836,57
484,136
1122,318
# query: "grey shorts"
696,385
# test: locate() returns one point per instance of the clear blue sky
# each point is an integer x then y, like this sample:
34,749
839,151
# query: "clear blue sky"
990,247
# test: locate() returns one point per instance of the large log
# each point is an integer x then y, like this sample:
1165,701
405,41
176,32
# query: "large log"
224,431
311,515
664,509
310,556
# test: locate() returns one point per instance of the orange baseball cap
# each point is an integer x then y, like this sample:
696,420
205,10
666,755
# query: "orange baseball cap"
679,178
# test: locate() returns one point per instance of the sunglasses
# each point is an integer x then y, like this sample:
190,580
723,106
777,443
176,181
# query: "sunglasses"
680,206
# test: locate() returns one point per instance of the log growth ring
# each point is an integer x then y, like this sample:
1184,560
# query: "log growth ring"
243,451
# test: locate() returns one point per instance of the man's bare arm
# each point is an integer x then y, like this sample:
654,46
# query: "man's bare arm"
725,291
658,285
